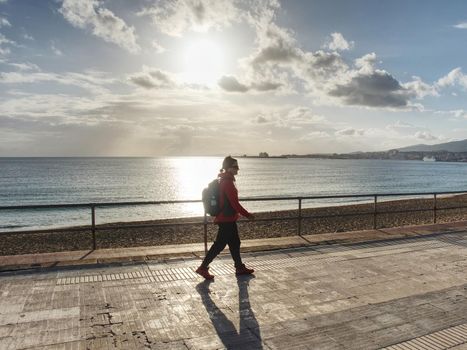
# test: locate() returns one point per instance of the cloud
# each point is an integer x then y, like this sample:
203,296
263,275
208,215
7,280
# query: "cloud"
425,135
350,132
315,135
400,125
231,84
329,75
377,89
321,69
91,81
338,43
325,74
297,120
462,25
145,122
4,22
420,89
158,47
153,79
402,133
55,50
4,42
50,109
89,14
268,68
460,113
454,77
180,137
266,86
175,17
303,115
366,63
25,66
42,137
456,113
279,64
261,120
276,45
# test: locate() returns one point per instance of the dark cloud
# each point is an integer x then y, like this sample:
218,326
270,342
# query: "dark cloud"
278,47
231,84
152,79
276,53
322,65
324,60
143,81
378,89
199,12
266,86
261,120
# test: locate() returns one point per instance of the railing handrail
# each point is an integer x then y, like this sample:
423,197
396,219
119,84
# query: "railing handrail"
300,199
246,199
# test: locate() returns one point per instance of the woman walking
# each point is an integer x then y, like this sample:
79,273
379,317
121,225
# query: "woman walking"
231,210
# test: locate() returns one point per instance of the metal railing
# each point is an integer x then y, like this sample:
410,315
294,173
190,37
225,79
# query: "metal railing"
300,217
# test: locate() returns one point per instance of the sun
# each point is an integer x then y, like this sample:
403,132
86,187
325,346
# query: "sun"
203,62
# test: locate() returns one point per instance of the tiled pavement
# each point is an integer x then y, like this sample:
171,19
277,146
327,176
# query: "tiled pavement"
398,294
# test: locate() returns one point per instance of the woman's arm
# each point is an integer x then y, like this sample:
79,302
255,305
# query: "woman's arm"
232,195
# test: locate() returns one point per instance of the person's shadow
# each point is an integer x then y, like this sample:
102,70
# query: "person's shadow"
249,335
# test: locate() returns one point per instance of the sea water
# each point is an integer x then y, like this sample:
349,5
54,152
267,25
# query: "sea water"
31,181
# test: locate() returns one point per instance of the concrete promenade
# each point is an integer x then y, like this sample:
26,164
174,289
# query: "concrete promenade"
398,289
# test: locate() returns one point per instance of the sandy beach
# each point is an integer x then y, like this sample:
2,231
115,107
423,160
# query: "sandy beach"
278,224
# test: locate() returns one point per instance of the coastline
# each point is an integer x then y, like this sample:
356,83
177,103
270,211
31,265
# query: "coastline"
353,217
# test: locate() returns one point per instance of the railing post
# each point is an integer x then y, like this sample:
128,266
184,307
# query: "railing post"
205,224
93,226
434,209
299,216
375,211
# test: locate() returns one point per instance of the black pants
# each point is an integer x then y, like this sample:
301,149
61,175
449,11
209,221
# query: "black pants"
227,235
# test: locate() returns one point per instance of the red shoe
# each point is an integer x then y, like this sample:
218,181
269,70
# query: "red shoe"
204,271
243,270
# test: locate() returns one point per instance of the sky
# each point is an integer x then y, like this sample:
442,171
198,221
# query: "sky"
217,77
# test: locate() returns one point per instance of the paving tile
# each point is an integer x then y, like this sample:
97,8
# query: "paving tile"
365,295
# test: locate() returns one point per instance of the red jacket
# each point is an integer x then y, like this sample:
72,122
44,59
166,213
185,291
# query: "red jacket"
231,209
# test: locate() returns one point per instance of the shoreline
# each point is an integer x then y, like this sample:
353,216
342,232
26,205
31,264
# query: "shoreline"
351,217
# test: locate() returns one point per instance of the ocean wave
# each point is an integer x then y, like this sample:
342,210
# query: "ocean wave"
11,226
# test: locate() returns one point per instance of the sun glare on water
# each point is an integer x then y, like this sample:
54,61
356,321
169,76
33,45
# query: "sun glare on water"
192,175
203,62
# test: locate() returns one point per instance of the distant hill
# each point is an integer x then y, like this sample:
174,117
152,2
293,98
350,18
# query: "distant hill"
454,146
